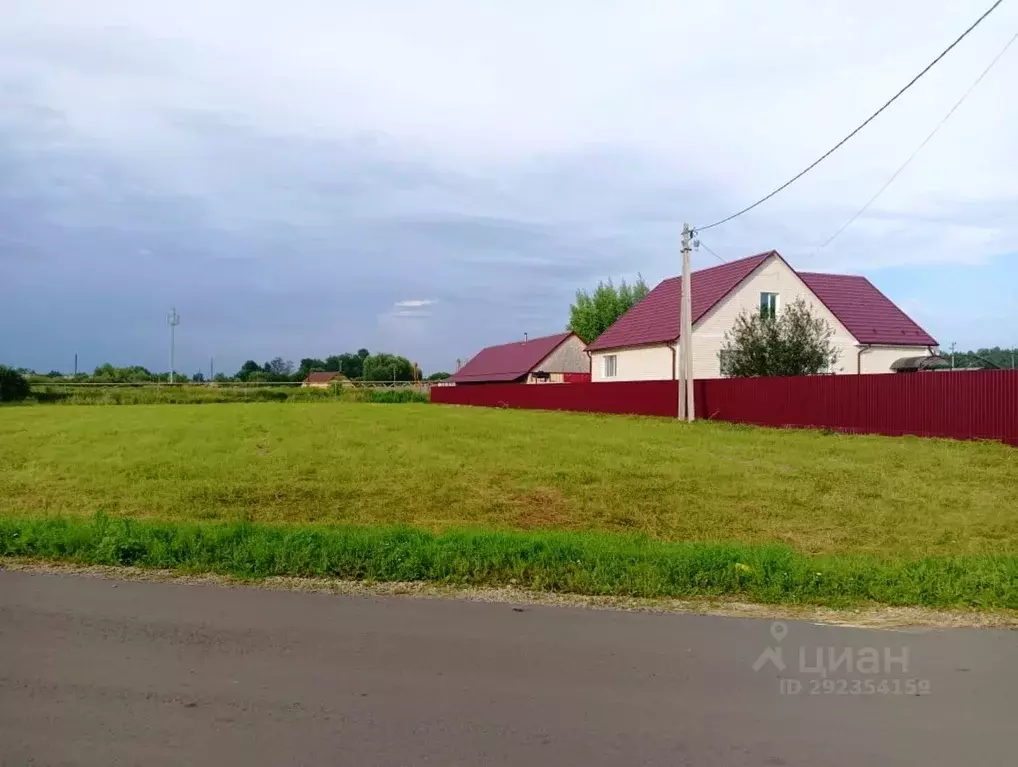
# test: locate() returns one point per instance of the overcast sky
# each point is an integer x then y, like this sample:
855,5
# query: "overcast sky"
428,177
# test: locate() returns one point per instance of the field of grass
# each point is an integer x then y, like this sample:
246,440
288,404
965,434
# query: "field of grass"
152,394
437,468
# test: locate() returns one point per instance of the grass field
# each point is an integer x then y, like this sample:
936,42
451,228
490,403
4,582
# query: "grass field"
437,468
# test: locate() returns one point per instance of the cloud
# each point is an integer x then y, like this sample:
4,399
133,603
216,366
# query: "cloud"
284,178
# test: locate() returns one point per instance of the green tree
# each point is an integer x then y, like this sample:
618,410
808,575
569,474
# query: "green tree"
353,364
247,369
593,313
387,367
13,386
106,373
795,343
278,369
350,365
438,376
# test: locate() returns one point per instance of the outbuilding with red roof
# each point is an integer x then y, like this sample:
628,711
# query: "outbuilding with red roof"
558,358
323,380
870,331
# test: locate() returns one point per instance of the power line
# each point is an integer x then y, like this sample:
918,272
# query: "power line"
918,149
707,248
868,120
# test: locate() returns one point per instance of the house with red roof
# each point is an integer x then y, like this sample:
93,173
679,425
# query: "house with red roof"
870,331
323,380
550,359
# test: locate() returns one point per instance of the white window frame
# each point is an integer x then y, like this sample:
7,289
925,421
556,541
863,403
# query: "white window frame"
611,366
777,301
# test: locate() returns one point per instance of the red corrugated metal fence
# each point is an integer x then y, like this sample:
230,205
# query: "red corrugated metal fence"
633,397
576,377
978,404
962,405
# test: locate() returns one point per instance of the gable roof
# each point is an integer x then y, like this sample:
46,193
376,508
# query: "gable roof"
868,314
322,377
865,312
507,362
656,319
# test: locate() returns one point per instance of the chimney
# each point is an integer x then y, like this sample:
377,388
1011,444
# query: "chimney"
525,338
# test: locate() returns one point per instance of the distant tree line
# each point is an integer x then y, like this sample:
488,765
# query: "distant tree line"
984,358
361,365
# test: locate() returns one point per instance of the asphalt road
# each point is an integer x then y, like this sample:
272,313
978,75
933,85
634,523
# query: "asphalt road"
97,672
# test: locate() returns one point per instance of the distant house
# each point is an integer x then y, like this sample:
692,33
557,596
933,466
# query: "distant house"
550,359
324,380
870,332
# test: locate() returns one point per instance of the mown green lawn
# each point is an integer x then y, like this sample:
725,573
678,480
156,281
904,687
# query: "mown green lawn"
438,467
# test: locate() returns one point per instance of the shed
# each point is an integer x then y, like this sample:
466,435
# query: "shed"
558,358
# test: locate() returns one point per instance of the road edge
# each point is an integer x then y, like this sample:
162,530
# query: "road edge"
871,617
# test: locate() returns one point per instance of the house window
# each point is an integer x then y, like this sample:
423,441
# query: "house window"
611,365
768,304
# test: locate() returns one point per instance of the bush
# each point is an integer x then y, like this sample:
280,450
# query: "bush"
394,396
13,386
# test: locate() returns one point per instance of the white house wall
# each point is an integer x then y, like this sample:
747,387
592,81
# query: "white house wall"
636,363
878,359
772,276
568,357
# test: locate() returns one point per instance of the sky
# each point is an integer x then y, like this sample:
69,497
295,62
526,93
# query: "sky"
427,178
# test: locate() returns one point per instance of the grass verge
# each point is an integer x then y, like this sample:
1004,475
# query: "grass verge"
577,563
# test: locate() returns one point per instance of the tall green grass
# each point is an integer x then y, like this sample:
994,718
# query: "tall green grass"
197,395
576,563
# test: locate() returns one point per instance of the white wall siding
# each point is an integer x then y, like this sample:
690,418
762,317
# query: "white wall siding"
569,357
772,276
636,363
878,359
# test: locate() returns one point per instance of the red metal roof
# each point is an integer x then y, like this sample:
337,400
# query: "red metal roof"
868,314
656,318
508,362
321,377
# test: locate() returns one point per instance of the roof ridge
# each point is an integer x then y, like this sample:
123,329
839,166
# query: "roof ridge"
529,340
737,261
834,274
